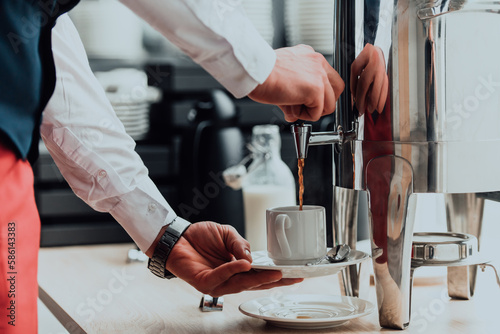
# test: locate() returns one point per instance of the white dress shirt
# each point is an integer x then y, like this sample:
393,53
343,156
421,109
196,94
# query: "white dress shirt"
216,34
88,142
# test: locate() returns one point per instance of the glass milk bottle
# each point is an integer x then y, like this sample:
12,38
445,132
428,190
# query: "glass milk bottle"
268,183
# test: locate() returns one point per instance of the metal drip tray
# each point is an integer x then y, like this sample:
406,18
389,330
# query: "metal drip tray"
448,249
444,249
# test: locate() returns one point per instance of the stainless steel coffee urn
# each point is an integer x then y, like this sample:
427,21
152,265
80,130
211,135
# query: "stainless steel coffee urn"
420,114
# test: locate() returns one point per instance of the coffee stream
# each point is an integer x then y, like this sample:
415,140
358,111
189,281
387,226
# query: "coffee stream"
301,163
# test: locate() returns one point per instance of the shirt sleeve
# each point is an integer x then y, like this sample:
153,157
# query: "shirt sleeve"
91,148
217,35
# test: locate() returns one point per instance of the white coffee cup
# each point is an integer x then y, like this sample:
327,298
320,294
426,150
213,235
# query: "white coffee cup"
294,236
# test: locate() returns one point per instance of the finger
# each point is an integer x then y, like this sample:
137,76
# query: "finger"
383,95
223,273
366,101
376,90
313,110
236,245
330,100
298,110
246,281
357,68
364,84
281,282
378,65
334,78
288,113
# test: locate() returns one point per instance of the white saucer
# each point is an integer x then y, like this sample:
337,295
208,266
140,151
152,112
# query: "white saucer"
307,311
262,262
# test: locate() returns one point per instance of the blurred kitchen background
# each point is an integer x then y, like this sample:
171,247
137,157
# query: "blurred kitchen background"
166,103
186,133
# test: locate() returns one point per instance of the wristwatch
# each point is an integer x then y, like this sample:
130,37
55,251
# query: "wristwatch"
157,262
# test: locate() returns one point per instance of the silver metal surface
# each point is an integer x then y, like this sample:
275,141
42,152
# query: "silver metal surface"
459,282
464,213
443,248
392,212
210,304
338,253
431,9
483,267
440,115
459,252
356,280
304,137
345,227
301,134
424,117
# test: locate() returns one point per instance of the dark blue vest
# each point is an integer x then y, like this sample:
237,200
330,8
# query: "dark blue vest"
27,73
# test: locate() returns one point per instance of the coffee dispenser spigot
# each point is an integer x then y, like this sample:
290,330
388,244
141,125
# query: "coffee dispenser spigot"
304,137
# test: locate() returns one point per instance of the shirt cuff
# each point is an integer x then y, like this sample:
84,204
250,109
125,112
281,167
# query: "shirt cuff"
143,215
237,79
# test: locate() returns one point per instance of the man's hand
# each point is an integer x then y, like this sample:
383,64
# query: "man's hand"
302,84
369,81
216,260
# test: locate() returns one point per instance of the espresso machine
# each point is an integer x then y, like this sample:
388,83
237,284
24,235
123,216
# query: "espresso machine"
420,114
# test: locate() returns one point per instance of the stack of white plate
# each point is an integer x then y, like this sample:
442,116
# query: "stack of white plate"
260,12
135,119
131,98
108,29
310,22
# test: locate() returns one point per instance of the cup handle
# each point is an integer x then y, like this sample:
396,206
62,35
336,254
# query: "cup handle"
283,222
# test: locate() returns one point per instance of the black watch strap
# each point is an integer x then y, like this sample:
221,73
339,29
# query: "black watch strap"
157,262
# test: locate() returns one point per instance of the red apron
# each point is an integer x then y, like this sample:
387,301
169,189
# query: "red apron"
19,244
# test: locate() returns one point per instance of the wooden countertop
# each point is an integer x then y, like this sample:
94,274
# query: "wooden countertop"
91,289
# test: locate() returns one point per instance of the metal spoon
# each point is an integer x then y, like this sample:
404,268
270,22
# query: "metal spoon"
338,253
